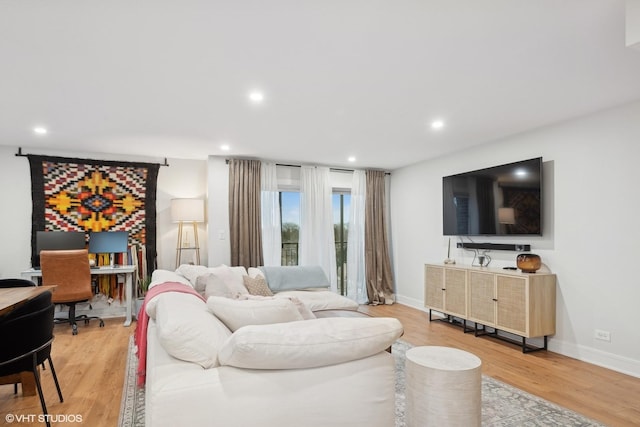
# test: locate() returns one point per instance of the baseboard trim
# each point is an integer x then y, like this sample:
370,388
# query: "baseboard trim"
596,357
583,353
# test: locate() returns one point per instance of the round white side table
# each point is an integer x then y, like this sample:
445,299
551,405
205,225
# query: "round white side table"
443,387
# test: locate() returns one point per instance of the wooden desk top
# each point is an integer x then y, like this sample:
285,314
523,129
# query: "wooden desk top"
11,297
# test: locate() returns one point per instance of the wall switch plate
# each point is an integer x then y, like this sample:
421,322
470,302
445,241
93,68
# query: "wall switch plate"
602,335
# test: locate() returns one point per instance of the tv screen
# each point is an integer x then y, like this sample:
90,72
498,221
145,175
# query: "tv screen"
497,201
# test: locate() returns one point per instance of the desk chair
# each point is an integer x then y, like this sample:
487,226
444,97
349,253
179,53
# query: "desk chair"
70,271
27,334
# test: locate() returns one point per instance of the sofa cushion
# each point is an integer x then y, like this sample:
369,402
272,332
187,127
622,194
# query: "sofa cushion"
257,286
309,343
187,330
159,277
321,300
302,309
238,313
162,276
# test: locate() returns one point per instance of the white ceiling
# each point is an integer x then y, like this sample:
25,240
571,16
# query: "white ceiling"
341,78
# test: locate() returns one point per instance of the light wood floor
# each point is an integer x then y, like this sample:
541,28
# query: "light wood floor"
604,395
90,367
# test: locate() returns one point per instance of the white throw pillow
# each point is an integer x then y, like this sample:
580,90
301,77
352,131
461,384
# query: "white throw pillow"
254,272
187,331
238,313
191,272
214,286
309,343
232,278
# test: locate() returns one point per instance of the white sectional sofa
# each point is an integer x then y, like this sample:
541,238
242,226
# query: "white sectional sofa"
289,282
226,363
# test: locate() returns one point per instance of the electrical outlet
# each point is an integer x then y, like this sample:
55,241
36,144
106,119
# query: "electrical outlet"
602,335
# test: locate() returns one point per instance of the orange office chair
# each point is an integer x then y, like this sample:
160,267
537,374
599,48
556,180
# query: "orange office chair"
69,270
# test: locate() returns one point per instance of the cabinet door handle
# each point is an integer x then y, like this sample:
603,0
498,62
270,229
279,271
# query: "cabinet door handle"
495,299
443,289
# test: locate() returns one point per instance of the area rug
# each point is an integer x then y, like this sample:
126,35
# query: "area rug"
502,404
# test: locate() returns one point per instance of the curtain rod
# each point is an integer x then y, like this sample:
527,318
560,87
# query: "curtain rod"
299,166
21,154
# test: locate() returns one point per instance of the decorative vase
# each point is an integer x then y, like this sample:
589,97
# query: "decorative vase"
528,263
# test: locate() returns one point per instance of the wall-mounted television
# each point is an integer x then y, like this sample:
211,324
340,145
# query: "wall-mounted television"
504,200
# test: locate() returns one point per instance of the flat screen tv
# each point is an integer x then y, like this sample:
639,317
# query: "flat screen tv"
497,201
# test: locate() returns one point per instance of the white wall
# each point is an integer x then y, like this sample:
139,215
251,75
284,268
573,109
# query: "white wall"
590,236
183,178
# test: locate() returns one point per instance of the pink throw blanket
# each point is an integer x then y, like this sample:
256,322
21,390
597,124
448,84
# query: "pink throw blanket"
140,336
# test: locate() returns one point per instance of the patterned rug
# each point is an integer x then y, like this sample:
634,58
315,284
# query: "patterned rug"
502,404
132,405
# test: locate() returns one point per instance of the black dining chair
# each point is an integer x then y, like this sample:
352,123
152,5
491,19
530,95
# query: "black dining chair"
26,334
15,283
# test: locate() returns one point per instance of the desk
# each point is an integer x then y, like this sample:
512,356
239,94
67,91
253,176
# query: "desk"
127,270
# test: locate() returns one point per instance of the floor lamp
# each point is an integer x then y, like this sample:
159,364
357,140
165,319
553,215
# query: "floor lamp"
185,211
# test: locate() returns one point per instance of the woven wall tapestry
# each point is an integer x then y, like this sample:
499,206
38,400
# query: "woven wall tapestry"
95,195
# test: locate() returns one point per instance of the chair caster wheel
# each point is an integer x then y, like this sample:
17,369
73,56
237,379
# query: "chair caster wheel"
102,323
86,321
74,330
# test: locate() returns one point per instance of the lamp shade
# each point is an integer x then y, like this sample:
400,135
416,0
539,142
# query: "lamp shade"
187,210
506,216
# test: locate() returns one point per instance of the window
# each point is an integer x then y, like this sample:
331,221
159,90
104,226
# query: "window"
290,225
341,204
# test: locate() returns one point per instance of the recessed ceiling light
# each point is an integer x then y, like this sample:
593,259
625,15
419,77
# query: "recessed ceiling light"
521,172
40,130
225,147
351,159
256,97
437,124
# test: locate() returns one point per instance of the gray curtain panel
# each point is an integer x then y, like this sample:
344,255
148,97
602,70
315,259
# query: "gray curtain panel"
244,213
377,260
